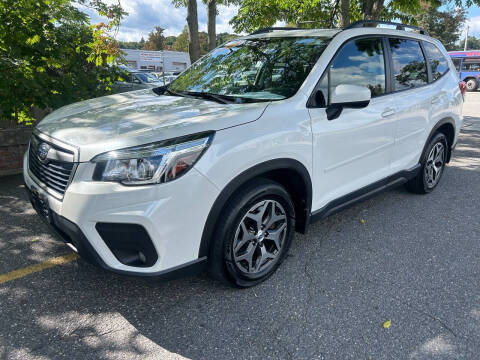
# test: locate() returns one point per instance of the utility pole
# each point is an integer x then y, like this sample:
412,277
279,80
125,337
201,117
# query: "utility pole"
466,40
163,66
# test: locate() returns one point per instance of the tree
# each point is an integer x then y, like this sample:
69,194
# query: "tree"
212,19
192,22
211,23
169,41
181,42
156,39
203,42
345,12
51,56
445,25
224,37
473,44
371,9
137,45
255,14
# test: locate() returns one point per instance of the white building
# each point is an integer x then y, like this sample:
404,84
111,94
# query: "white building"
157,60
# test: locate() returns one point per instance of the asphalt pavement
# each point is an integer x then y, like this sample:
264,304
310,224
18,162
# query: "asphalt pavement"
409,259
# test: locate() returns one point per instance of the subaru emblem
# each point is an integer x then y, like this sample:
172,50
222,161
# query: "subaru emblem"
43,150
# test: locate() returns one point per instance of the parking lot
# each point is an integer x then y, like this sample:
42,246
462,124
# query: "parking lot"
410,259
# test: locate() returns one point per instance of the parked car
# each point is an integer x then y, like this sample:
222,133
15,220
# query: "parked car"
214,173
173,73
136,81
467,64
164,78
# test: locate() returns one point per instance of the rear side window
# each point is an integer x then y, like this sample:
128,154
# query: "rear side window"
359,62
409,66
471,65
438,63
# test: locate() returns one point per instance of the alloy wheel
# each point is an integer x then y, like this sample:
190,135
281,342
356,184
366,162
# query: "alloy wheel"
434,165
259,237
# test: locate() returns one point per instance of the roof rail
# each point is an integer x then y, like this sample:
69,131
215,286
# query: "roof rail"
375,23
270,29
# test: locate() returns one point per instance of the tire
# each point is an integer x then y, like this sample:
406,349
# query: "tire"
471,84
432,166
242,254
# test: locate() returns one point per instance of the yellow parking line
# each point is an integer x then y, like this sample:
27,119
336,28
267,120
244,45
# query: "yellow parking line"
17,274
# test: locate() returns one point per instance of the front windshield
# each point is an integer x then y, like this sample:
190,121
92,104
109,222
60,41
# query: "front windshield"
261,69
146,77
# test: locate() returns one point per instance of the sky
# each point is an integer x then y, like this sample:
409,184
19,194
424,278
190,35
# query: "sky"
144,15
474,21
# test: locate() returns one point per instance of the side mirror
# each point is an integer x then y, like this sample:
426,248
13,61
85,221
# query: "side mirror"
347,96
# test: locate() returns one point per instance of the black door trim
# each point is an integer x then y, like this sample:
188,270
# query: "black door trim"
364,193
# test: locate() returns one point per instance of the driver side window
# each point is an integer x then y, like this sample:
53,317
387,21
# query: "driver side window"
359,62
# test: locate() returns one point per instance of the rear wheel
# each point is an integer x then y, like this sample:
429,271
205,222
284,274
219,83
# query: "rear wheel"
433,165
254,234
471,84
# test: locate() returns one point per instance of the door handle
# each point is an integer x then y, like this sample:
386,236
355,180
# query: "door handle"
388,112
436,99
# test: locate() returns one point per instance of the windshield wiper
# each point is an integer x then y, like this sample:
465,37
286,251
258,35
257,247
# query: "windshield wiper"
174,93
222,99
194,94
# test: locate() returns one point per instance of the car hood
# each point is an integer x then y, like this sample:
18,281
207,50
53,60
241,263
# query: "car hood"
140,117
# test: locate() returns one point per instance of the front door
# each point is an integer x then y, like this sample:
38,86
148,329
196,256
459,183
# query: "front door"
353,150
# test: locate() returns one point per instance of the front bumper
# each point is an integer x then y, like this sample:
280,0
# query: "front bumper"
70,233
173,215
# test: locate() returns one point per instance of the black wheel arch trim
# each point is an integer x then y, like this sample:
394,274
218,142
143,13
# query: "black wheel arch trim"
241,179
435,129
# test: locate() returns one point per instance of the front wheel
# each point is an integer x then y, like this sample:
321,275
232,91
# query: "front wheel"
433,164
254,234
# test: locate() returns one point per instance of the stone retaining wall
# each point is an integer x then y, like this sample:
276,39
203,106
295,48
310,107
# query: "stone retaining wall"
13,144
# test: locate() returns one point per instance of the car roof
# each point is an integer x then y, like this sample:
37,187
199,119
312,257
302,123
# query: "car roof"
344,34
330,33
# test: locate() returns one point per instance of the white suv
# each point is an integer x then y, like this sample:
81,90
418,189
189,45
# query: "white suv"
253,142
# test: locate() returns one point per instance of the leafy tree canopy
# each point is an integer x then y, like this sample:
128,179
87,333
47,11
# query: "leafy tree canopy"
443,25
255,14
156,39
181,42
51,56
473,44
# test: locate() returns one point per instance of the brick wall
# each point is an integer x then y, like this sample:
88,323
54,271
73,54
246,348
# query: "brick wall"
13,144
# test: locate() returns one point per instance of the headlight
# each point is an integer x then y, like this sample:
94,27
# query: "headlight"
152,163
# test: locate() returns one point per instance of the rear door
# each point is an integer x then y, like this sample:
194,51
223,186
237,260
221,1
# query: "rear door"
442,84
413,98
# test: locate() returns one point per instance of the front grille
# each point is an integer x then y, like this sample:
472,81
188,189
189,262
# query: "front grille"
54,174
